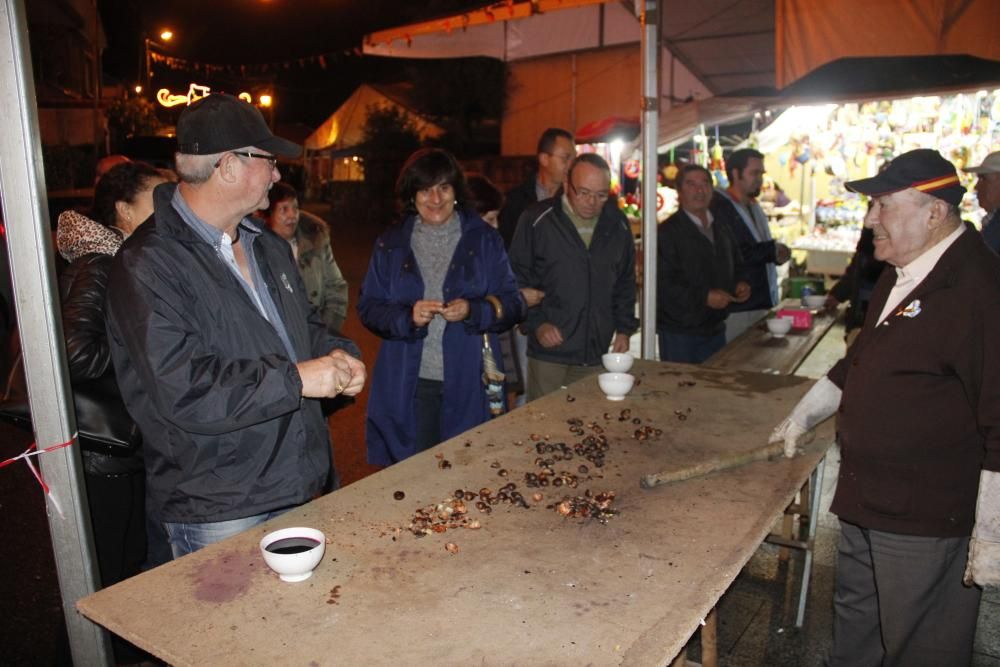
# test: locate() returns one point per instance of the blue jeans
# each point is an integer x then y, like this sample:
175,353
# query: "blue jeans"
687,349
186,538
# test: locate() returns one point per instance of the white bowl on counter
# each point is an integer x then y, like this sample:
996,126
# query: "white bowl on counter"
293,552
779,326
617,362
615,385
814,301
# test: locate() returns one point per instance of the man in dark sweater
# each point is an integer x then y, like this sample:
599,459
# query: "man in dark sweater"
699,273
556,149
918,397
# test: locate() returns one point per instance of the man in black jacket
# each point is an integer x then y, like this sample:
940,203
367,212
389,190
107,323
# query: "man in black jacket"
699,274
218,353
577,249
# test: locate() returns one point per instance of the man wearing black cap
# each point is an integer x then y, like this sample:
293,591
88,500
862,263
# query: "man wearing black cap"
918,403
219,355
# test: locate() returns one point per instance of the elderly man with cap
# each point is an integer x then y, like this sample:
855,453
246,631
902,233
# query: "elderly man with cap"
918,403
988,194
219,355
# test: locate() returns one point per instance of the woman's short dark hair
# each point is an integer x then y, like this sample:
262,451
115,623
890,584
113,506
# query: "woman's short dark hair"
278,193
424,169
483,195
120,183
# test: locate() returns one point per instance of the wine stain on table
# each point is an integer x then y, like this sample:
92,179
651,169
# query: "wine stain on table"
226,577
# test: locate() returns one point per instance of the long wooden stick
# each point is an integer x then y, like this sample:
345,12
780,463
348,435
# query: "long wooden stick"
713,464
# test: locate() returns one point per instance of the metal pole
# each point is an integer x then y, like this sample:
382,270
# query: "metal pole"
650,130
30,247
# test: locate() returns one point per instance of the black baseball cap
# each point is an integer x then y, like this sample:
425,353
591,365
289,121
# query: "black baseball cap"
923,169
219,123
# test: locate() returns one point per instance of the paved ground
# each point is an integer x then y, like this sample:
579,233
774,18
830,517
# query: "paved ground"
756,617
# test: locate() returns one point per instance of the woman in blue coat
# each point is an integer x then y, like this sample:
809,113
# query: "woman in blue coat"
436,283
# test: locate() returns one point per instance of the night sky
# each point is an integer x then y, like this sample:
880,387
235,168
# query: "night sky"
263,35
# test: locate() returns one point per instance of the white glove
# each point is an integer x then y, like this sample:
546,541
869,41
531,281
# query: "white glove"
983,566
816,406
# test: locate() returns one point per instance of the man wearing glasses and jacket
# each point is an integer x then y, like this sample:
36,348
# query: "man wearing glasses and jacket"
577,249
220,358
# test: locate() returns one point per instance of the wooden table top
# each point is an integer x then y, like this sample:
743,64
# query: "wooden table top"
759,351
530,586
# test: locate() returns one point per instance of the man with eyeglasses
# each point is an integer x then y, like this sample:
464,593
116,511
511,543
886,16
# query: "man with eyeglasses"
220,357
577,249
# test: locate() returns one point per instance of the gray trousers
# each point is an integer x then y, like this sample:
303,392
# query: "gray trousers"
545,377
900,602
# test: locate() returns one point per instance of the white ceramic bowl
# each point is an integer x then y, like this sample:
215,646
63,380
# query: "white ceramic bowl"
814,301
615,385
293,552
779,326
617,362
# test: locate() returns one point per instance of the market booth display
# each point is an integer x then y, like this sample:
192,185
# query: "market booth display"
813,150
528,540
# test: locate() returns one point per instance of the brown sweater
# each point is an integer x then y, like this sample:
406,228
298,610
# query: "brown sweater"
920,413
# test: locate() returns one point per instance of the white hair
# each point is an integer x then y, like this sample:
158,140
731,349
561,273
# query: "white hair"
195,169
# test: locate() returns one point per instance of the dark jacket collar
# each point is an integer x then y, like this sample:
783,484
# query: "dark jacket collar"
170,223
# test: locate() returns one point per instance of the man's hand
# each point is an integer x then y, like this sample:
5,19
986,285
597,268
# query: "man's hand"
620,343
548,335
456,310
718,299
816,406
323,377
831,303
983,566
424,311
532,297
742,292
782,253
355,368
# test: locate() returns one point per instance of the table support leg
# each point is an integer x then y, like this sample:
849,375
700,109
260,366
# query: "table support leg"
817,489
709,636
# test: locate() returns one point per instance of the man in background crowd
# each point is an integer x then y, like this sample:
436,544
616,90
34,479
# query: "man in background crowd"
988,194
699,274
556,150
737,207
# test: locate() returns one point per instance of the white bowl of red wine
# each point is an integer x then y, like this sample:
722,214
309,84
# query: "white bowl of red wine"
293,552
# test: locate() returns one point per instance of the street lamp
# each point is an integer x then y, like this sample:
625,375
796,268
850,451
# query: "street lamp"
166,35
266,101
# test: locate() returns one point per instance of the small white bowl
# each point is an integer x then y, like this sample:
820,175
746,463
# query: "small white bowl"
615,385
814,301
779,326
617,362
293,552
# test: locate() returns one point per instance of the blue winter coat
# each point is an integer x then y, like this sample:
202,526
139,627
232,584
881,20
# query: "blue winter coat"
479,268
